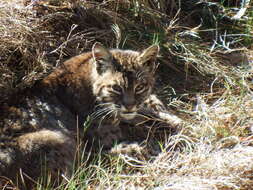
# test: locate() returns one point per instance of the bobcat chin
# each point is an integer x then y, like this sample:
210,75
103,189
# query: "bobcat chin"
111,86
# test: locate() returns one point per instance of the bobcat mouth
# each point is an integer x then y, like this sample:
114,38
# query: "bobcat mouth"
128,115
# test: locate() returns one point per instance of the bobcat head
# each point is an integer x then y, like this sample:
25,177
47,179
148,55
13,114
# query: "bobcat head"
123,80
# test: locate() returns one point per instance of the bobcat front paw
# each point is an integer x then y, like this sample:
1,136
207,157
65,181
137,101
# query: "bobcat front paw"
170,119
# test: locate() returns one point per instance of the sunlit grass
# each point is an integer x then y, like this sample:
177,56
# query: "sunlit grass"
205,75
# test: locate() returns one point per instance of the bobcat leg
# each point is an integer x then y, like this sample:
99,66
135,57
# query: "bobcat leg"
155,108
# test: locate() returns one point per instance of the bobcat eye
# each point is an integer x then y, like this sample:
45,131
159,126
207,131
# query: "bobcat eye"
116,88
140,88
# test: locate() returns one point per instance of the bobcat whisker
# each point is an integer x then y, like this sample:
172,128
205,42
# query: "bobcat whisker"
100,112
102,118
102,105
109,113
117,107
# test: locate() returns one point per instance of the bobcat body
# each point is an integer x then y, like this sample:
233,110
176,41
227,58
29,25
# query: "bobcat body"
111,86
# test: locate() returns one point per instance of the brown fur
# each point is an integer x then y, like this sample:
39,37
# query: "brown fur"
111,86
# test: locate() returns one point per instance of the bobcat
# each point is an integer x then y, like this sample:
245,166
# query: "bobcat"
111,86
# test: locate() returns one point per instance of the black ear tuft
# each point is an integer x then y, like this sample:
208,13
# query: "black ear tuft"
102,57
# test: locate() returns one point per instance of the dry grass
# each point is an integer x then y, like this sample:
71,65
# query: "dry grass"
36,37
205,75
203,168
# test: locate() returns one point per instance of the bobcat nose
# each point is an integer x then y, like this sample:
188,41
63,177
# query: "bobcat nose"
130,107
129,102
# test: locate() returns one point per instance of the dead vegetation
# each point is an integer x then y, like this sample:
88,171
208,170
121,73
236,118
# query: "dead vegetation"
205,75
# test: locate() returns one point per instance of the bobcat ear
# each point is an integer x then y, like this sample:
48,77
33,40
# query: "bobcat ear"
148,56
102,57
99,52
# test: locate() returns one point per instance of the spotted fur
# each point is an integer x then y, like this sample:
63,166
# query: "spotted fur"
112,86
